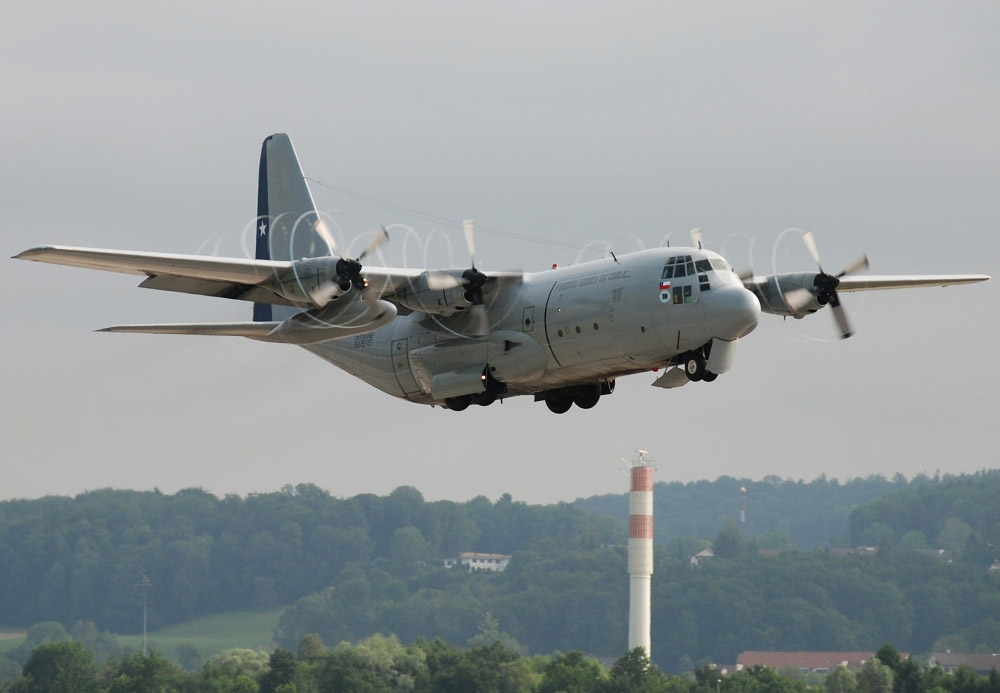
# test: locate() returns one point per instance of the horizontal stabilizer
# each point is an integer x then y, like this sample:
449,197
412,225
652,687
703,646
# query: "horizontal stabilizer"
253,330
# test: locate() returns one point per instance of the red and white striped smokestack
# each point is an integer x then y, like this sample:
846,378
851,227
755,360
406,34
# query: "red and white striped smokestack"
640,552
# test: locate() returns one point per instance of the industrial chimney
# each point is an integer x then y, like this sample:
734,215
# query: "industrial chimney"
640,551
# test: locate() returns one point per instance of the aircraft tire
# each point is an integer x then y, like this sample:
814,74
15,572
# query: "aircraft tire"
588,399
559,405
709,376
694,367
458,403
485,399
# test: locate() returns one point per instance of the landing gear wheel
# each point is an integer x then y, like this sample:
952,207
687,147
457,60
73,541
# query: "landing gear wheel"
486,398
458,403
694,367
709,376
559,405
588,399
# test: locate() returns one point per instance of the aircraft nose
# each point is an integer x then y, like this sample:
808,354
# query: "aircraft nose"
732,312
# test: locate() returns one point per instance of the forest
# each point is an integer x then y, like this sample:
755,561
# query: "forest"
349,568
380,664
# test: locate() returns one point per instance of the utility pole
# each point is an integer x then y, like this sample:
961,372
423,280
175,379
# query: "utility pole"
145,585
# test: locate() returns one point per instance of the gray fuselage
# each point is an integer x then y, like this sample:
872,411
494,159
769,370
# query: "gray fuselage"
587,323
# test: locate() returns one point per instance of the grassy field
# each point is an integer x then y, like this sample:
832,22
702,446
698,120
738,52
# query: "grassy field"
10,638
211,634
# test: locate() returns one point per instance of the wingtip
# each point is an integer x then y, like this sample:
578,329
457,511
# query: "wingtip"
31,252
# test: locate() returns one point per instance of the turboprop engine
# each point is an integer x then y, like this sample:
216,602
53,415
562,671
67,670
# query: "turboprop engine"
438,293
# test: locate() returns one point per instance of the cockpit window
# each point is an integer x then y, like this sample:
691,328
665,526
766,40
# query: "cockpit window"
719,264
702,265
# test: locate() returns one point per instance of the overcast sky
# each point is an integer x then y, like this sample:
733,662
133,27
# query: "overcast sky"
138,125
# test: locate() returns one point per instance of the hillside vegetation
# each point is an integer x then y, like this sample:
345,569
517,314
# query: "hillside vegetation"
353,567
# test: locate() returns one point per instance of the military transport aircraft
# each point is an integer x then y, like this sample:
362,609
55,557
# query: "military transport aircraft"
456,337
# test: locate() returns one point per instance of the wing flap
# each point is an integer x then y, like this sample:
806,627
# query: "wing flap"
209,287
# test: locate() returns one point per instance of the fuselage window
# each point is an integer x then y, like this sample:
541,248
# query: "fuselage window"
687,294
678,295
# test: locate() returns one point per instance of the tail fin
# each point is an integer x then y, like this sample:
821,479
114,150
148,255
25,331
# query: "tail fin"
286,215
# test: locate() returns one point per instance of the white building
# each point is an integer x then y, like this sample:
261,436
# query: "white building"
493,562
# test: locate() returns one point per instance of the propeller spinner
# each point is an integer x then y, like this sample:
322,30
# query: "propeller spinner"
826,286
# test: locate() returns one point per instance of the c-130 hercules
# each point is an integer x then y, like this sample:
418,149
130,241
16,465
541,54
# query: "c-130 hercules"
457,337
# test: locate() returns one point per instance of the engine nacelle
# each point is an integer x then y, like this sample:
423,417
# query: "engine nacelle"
776,291
419,296
309,278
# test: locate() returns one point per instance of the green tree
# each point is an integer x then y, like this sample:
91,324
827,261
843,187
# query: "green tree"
61,667
138,674
573,672
408,546
729,542
634,673
875,677
281,671
311,646
841,680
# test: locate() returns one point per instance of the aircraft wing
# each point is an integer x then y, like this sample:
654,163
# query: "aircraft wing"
870,282
237,270
237,278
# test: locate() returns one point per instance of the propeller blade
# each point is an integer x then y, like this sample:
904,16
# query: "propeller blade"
324,233
324,293
368,295
840,315
797,299
441,281
810,241
480,321
469,226
860,264
696,237
380,237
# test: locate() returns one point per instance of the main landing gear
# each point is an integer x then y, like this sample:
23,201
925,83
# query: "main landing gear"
584,396
494,388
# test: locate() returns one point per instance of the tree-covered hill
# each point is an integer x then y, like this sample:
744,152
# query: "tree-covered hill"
812,514
961,515
356,566
83,558
554,598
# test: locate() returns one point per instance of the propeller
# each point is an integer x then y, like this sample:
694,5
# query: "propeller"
347,271
472,281
826,286
696,237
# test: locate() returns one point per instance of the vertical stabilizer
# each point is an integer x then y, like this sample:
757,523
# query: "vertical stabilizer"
286,215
